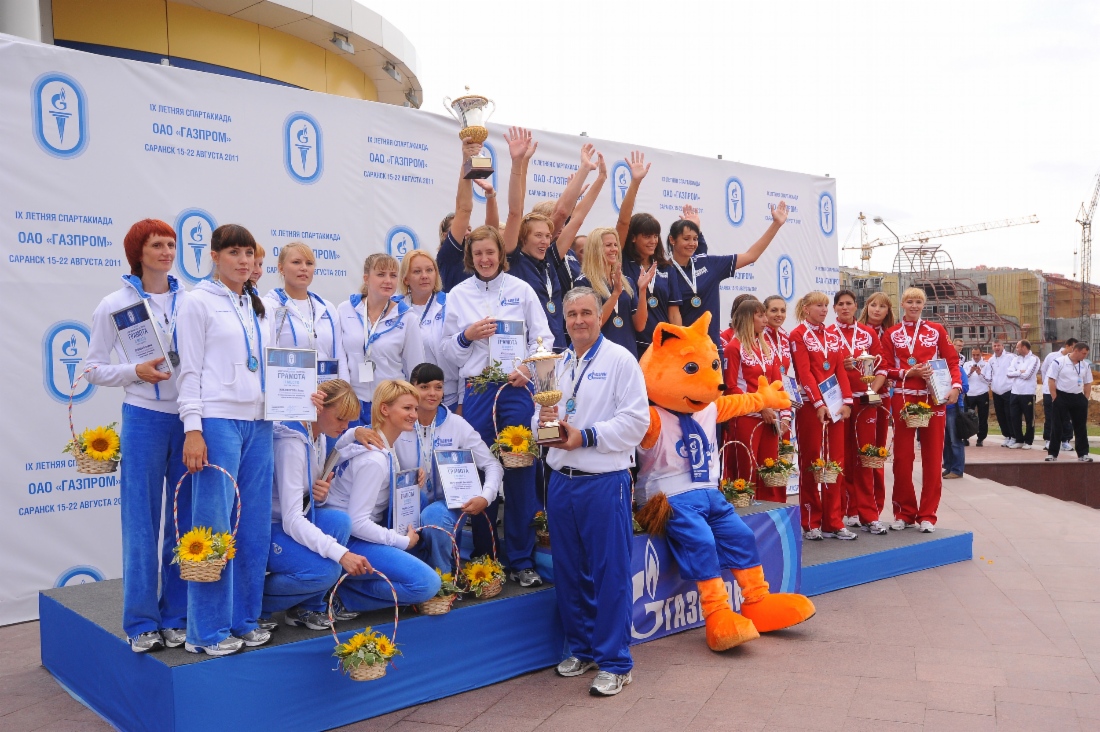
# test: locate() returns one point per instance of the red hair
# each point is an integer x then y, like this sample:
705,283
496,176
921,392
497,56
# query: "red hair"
138,235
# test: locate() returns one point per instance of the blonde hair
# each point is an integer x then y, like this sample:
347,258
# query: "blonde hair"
340,396
595,266
914,293
810,298
406,266
382,263
545,208
533,217
386,393
882,297
744,327
300,246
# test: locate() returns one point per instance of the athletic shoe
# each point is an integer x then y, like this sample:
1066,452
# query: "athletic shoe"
296,618
842,534
897,525
341,613
174,637
944,473
1066,447
980,443
224,648
608,684
268,624
1046,444
526,578
147,642
927,527
952,476
852,521
1015,446
913,525
879,528
813,535
574,666
1008,443
1025,446
1084,459
256,637
1049,459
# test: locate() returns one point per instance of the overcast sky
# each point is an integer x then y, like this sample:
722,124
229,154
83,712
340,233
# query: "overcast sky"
929,114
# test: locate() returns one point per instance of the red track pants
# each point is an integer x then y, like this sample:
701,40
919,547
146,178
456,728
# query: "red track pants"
858,481
820,504
931,460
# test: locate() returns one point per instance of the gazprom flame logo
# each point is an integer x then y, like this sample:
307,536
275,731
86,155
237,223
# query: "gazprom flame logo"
64,346
60,115
193,229
303,151
620,181
735,201
79,575
826,213
487,149
695,445
400,240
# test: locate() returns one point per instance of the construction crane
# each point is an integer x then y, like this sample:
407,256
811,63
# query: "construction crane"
1084,217
866,247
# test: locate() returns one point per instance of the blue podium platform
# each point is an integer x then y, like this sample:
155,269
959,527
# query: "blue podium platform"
291,684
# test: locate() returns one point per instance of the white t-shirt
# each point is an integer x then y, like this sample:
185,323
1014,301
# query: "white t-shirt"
664,467
1069,377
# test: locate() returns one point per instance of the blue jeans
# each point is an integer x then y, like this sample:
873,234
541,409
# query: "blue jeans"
521,503
231,606
590,521
414,581
954,455
706,535
434,546
152,443
297,576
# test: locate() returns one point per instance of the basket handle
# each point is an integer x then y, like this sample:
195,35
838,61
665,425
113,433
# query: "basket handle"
454,544
332,597
72,393
752,458
492,537
176,499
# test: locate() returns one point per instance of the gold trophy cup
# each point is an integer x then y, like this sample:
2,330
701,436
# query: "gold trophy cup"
867,365
543,366
470,112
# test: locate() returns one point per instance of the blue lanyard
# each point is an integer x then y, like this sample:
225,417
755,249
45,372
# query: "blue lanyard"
370,336
571,403
248,346
393,491
281,293
424,319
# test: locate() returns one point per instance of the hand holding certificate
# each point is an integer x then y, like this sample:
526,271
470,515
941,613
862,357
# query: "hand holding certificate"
138,336
833,397
458,476
405,501
508,345
939,384
290,380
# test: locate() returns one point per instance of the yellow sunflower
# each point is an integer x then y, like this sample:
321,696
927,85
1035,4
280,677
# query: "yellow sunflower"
230,545
446,578
478,573
384,646
739,484
100,443
819,463
196,545
354,643
924,405
516,439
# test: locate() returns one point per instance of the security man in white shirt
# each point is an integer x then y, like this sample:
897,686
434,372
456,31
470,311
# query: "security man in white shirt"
605,415
979,375
1048,406
1001,386
1021,405
1070,382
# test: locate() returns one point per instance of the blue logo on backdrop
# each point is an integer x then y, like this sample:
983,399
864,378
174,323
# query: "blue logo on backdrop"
620,181
63,348
193,229
303,151
826,214
79,575
487,149
60,115
735,201
785,275
400,241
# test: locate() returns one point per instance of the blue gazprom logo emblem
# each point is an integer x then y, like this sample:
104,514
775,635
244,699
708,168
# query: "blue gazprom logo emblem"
79,575
735,201
620,181
63,348
487,149
784,271
60,115
400,241
826,213
193,229
303,151
695,444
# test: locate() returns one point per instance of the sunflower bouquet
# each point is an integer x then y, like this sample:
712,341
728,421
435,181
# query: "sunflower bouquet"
916,414
739,492
491,374
365,655
871,456
202,554
96,449
774,471
484,576
542,528
448,591
515,447
826,471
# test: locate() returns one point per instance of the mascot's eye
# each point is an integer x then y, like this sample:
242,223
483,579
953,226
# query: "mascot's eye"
715,365
691,367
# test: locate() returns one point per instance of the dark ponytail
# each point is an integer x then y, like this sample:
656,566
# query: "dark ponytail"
228,236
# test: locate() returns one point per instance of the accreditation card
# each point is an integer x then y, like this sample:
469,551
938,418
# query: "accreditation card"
137,333
508,345
458,476
405,501
290,379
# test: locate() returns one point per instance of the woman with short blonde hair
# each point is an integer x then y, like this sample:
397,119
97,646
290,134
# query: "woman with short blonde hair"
623,314
423,287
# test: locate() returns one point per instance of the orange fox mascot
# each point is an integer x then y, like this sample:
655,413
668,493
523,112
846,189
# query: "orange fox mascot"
678,474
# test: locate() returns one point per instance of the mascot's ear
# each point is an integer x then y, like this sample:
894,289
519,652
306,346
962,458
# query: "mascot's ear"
702,325
663,335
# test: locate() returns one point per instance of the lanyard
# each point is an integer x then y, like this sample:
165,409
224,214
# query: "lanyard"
168,330
575,387
491,311
369,336
309,324
911,343
850,346
249,328
810,332
424,317
757,351
425,446
691,282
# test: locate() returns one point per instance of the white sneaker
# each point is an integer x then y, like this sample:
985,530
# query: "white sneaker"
609,684
1008,443
1066,447
878,527
1024,446
222,648
897,525
1015,445
574,666
1046,444
852,521
842,534
813,535
927,527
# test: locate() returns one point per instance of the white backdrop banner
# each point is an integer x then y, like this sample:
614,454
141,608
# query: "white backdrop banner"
91,144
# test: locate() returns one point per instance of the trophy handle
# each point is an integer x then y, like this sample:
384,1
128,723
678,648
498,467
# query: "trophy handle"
447,106
490,114
878,361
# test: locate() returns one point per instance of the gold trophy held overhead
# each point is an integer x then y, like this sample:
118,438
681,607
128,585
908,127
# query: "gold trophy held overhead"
543,365
470,112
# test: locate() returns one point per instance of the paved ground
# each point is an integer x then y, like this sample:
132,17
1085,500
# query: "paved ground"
1008,641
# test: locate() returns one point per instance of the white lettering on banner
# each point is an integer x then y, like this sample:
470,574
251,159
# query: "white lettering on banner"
108,141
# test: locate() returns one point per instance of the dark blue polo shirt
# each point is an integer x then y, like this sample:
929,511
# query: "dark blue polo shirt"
666,289
449,260
710,271
619,328
535,273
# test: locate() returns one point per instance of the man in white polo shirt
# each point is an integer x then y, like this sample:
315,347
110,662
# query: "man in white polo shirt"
999,363
1069,379
979,374
1048,408
605,414
1021,405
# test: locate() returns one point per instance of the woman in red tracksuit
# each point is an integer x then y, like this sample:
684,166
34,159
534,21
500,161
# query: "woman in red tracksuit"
817,355
748,358
858,481
907,349
775,308
878,315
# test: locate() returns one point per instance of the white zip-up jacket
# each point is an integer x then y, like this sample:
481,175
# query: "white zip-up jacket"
450,432
1022,374
159,397
980,379
395,350
505,298
214,380
292,331
999,367
430,317
362,489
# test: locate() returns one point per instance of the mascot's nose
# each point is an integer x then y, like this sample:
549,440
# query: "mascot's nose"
722,388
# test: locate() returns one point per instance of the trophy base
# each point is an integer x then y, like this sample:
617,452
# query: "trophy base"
873,399
477,167
550,434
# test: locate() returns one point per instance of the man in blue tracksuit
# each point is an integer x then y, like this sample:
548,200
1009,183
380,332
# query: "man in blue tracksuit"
954,455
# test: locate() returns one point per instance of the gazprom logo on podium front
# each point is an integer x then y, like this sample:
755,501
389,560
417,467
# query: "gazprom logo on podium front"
487,149
79,575
303,150
193,229
620,181
64,346
784,271
60,115
735,201
400,240
826,213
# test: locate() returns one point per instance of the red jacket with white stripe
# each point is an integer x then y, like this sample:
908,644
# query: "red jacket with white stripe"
745,366
856,340
807,342
931,342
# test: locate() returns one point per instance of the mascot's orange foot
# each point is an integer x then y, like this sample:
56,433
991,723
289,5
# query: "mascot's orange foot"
770,612
725,628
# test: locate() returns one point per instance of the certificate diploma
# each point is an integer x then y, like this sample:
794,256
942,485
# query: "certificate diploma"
137,333
458,476
508,344
939,385
405,501
832,396
290,379
327,369
790,385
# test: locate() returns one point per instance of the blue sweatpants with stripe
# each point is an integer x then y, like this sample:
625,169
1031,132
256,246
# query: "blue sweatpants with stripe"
706,535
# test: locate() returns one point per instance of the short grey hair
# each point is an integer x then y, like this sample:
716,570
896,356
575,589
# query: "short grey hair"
577,293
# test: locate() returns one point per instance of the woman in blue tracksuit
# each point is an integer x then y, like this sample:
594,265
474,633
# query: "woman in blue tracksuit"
152,439
223,329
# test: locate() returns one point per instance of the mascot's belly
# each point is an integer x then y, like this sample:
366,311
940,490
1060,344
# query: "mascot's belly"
663,468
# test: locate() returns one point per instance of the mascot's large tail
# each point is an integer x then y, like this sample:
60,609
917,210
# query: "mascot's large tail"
654,515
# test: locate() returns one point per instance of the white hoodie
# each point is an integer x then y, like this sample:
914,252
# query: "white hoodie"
293,333
430,317
395,347
362,489
157,397
214,380
450,432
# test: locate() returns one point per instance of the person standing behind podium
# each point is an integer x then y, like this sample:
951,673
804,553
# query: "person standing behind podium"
454,230
979,374
604,415
1070,382
1021,405
1048,405
1001,386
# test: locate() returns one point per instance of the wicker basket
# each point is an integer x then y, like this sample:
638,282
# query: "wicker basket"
914,421
91,466
741,500
774,480
492,589
543,538
363,672
822,475
437,605
516,459
208,571
872,461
